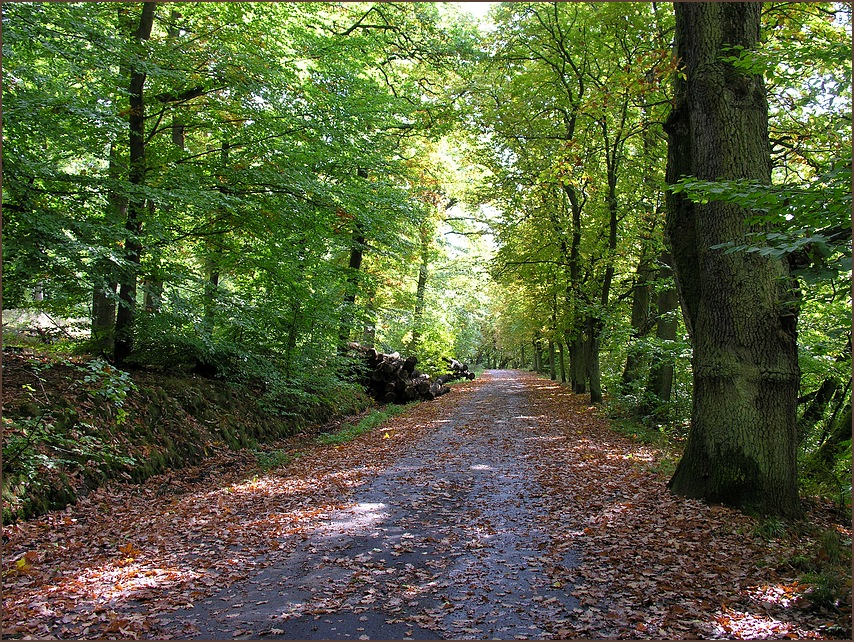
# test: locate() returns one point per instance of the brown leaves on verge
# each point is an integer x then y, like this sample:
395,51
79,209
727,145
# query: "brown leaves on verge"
655,565
120,561
641,562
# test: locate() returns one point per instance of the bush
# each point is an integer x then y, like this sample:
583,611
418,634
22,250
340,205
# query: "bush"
48,450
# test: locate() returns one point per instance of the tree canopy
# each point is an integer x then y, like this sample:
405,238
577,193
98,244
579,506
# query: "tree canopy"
244,188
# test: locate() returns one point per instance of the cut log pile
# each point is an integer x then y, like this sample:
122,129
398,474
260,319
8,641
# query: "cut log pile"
390,378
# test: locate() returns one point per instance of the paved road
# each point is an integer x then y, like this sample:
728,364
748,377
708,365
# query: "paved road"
449,542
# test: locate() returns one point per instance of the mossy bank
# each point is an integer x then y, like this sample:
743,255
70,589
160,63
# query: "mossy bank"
71,424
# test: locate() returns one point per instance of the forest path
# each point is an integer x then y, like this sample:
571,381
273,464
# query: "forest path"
449,540
506,509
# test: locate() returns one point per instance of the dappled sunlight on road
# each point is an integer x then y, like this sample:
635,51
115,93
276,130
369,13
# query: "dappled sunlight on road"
355,518
750,625
136,560
166,543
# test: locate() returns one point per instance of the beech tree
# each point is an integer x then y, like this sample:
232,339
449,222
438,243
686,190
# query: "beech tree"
739,309
243,188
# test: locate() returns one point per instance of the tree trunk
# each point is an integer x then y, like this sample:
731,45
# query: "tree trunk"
839,432
153,298
103,315
562,363
126,312
214,250
815,408
640,323
421,288
552,369
594,330
742,445
819,400
105,281
667,301
357,250
577,363
153,284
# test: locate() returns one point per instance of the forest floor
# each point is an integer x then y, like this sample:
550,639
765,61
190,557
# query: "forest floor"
505,510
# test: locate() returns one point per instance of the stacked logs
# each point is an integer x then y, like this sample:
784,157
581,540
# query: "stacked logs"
458,371
389,378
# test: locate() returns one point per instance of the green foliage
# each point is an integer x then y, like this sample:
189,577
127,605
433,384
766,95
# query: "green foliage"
370,421
272,459
109,383
45,449
522,168
809,225
824,569
254,166
769,528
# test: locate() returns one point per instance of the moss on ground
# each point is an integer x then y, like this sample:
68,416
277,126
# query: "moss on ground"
67,431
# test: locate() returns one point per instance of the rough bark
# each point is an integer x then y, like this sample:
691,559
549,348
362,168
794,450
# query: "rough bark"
123,344
742,444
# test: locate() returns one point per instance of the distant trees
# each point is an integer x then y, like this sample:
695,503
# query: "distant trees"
569,109
569,105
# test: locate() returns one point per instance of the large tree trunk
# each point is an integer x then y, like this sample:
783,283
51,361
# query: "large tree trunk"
126,312
742,445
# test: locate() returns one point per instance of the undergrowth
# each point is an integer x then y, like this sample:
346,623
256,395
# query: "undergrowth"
271,459
72,422
350,431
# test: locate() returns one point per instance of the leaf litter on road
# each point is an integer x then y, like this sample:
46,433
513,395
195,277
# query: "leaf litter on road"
618,556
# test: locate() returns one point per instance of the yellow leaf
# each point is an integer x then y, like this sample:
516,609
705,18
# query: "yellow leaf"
386,436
